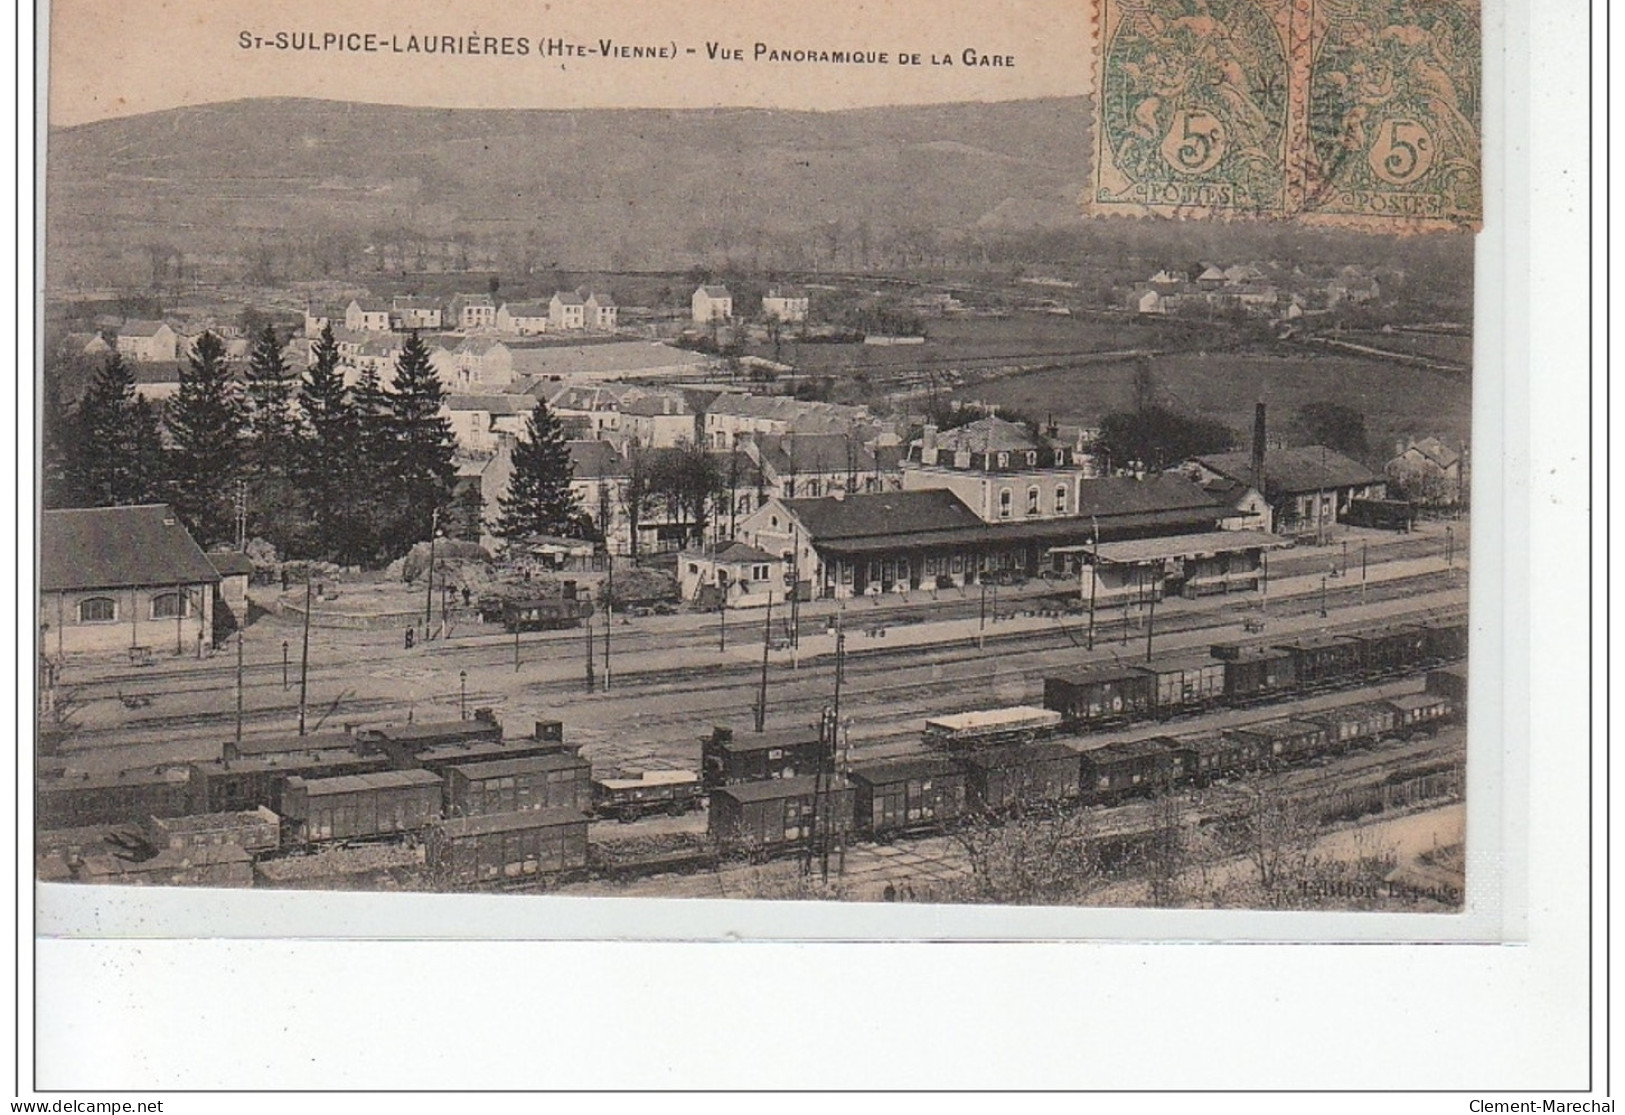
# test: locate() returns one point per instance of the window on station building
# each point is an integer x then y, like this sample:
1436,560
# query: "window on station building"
169,605
1060,499
1004,460
1032,500
1032,457
1007,501
98,609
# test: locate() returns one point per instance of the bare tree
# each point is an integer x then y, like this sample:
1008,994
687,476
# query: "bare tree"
1037,857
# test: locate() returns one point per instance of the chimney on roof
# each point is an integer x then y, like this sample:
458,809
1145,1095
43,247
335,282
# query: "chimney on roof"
1258,448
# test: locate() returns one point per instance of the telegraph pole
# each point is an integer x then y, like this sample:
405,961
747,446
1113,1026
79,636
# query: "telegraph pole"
590,682
1264,606
609,617
1323,596
981,626
1151,622
767,638
428,588
826,764
1364,547
238,736
722,621
304,655
795,588
241,502
1094,578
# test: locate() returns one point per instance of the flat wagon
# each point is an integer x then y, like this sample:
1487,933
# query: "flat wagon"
992,727
627,798
254,830
1026,775
520,785
897,796
765,817
361,806
498,848
1101,696
726,758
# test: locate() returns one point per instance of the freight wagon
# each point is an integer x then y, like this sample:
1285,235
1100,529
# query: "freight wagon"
990,727
1446,640
899,796
233,785
122,797
1391,651
1450,681
1185,684
1420,713
765,817
782,753
403,743
1355,725
225,865
361,806
544,615
1254,673
506,847
256,830
518,785
1285,741
1101,696
1325,661
1217,754
1024,775
1134,766
626,799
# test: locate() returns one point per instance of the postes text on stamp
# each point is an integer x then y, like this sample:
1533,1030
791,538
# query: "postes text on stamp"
1354,112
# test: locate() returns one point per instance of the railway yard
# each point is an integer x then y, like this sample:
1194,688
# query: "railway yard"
666,682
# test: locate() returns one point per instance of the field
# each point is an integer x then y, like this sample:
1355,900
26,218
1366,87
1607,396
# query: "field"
1431,346
1397,402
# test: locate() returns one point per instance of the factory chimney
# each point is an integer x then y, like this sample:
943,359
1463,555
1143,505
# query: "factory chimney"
1258,448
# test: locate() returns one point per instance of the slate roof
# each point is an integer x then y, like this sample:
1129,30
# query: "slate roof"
619,357
883,513
601,300
492,404
656,404
1128,495
714,292
119,547
818,453
138,328
732,553
1309,468
594,460
230,563
569,298
988,435
525,309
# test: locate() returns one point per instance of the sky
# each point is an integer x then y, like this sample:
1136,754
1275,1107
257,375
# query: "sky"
137,56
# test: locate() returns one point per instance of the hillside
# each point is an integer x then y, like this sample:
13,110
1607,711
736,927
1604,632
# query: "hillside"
299,187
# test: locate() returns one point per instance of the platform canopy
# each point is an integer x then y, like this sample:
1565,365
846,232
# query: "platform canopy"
1210,544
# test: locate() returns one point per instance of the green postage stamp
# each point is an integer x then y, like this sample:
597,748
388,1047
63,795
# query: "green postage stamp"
1352,112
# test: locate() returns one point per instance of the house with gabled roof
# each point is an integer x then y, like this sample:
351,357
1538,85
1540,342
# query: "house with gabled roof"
999,468
602,313
711,302
567,310
473,311
411,312
369,315
1306,488
123,578
146,340
523,319
1429,472
785,304
733,572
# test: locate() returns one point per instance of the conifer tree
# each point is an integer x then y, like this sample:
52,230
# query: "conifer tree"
206,426
329,471
372,502
539,499
111,450
424,466
277,509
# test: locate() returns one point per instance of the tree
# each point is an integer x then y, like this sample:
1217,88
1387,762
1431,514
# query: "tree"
109,449
374,452
1335,426
206,423
425,464
634,494
328,469
1158,438
277,509
539,499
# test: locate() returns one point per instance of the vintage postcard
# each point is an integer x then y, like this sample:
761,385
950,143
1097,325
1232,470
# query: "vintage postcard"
614,450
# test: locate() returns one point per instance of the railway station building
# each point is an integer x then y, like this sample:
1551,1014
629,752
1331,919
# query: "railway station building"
865,544
1187,565
123,578
1307,489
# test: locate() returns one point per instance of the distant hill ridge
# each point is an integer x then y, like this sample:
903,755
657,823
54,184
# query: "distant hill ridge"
593,187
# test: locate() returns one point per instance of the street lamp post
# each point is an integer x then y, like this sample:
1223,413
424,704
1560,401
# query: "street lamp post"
1323,597
284,665
428,588
462,694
